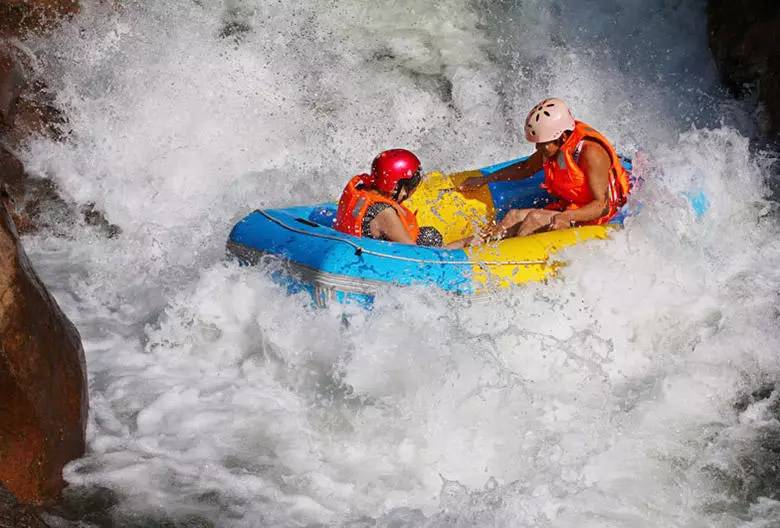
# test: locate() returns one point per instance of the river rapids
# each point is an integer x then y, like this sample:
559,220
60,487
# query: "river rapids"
637,390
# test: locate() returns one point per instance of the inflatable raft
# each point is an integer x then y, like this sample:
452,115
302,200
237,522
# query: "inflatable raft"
333,266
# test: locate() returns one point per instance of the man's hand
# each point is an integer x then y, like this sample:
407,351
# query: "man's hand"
490,232
560,221
473,183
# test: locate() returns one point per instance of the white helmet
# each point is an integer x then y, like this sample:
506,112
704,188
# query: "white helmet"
548,120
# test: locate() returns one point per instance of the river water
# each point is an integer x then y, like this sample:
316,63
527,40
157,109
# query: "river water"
636,391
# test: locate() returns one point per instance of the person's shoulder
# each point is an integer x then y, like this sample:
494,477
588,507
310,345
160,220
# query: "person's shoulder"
381,213
593,150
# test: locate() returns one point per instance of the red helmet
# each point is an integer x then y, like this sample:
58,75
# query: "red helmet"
392,166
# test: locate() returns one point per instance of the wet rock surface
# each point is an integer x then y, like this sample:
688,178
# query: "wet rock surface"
743,38
24,109
43,386
20,16
27,107
11,82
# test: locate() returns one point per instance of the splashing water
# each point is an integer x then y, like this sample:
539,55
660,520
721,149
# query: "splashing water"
636,391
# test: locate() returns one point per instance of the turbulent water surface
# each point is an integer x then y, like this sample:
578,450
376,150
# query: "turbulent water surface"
636,391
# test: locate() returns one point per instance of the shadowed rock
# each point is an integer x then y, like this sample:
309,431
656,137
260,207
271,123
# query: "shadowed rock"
15,515
11,82
743,39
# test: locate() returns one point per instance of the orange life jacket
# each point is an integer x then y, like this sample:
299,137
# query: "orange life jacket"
357,197
566,180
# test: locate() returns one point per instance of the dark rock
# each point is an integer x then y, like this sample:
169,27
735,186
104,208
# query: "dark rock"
11,83
37,204
31,200
43,388
35,113
15,125
11,173
26,104
743,39
15,515
26,107
20,16
95,217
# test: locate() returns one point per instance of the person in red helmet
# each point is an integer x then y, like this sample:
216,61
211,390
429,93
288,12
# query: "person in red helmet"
370,205
581,169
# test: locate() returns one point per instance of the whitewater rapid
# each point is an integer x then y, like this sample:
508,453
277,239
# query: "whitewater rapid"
635,391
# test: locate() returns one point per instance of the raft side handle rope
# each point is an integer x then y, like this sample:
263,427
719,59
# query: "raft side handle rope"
360,251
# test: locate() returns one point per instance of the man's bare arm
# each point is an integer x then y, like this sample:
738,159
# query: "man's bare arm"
518,171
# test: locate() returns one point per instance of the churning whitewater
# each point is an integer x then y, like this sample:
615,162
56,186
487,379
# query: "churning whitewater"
636,390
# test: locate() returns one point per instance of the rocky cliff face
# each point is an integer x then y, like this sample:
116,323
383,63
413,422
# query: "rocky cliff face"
43,388
744,42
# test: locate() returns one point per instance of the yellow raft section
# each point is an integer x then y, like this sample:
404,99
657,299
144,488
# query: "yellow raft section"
511,261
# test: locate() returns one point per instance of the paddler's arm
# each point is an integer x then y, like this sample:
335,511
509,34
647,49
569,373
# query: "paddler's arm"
387,226
517,171
595,163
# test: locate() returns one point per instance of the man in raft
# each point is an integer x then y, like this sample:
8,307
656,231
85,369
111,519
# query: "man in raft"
581,169
370,205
